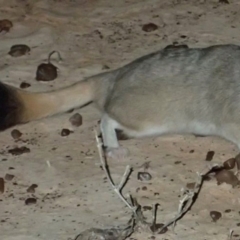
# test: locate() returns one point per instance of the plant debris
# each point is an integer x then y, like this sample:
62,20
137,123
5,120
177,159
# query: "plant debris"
19,50
47,71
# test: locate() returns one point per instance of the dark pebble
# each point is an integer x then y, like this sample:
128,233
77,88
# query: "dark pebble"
149,27
76,120
16,134
9,177
230,163
30,201
31,189
65,132
215,215
25,85
19,150
2,185
210,155
144,176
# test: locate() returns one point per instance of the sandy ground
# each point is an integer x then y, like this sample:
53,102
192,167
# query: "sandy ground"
72,193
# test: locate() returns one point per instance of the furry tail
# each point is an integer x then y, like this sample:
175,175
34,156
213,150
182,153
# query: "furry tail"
18,106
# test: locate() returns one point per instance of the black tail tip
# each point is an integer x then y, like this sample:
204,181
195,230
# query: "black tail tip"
9,107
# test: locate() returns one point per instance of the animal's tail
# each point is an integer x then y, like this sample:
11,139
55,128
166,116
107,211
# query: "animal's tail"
18,106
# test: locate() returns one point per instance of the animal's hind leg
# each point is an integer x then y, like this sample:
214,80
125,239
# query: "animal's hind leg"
110,141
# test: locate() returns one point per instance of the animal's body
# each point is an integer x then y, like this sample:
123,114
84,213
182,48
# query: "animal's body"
174,90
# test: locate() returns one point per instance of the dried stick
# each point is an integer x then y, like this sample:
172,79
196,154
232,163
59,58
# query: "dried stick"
189,196
123,181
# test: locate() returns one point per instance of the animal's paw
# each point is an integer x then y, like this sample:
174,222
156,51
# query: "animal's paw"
117,153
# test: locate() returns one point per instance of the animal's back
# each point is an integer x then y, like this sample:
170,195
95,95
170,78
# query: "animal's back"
179,90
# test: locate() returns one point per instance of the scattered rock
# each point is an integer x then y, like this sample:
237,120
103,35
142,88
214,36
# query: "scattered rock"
19,150
76,120
24,85
46,72
210,155
149,27
215,215
5,25
225,176
16,134
19,50
230,163
65,132
31,189
2,185
144,176
30,201
9,177
228,210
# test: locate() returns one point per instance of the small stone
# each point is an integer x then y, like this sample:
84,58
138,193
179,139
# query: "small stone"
230,163
19,50
19,150
16,134
46,72
225,176
144,176
149,27
191,185
76,120
2,185
30,201
24,85
31,189
5,25
210,155
65,132
147,208
228,210
156,227
9,177
215,215
224,1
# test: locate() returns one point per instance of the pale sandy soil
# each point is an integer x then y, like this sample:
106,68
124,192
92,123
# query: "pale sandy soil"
73,195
